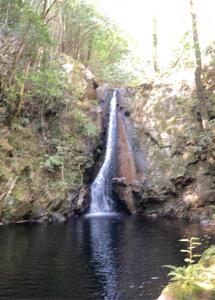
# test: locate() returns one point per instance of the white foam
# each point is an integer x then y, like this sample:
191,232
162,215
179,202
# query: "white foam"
101,189
102,214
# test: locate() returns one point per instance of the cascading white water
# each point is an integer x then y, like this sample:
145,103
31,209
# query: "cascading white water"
101,189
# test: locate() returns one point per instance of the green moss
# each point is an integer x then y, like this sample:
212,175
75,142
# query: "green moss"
187,291
5,172
21,191
48,157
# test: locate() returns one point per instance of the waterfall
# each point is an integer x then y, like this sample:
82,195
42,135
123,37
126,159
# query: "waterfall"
101,189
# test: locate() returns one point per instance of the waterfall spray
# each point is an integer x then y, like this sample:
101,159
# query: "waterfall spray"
101,189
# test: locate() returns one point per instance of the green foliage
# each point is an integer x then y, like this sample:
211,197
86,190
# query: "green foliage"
12,91
27,37
194,274
74,179
196,281
91,130
183,54
208,256
185,274
24,20
82,124
44,89
38,95
123,73
205,143
210,51
92,38
53,162
46,83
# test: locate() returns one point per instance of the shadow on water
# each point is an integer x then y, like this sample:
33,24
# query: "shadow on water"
104,257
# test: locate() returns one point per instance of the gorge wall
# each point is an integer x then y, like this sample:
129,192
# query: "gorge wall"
126,171
175,159
166,163
47,156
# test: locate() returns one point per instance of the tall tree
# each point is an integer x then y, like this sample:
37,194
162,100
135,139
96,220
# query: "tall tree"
155,45
198,71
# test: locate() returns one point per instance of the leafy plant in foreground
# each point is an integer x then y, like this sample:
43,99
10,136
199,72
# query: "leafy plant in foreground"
193,242
187,274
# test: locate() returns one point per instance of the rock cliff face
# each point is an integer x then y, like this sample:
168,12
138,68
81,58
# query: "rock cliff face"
126,171
126,163
47,161
175,159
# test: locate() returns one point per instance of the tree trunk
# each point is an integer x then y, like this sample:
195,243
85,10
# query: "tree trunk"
198,71
22,90
89,52
155,45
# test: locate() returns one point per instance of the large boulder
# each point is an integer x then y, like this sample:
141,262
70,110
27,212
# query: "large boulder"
85,82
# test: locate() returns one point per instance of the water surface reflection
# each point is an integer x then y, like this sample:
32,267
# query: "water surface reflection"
114,257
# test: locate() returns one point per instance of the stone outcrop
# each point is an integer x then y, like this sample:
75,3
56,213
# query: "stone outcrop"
78,73
175,160
45,166
126,168
126,163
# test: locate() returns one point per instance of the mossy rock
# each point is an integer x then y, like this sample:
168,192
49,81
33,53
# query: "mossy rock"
198,286
5,172
5,146
18,210
177,291
25,146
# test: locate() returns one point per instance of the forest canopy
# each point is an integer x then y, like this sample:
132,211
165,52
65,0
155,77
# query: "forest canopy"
74,27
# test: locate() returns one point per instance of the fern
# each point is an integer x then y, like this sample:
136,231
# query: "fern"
187,274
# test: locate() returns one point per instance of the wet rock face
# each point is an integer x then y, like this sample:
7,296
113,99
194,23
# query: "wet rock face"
126,163
174,159
83,203
126,181
125,194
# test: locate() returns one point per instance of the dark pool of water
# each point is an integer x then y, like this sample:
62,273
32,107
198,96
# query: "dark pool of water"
119,257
